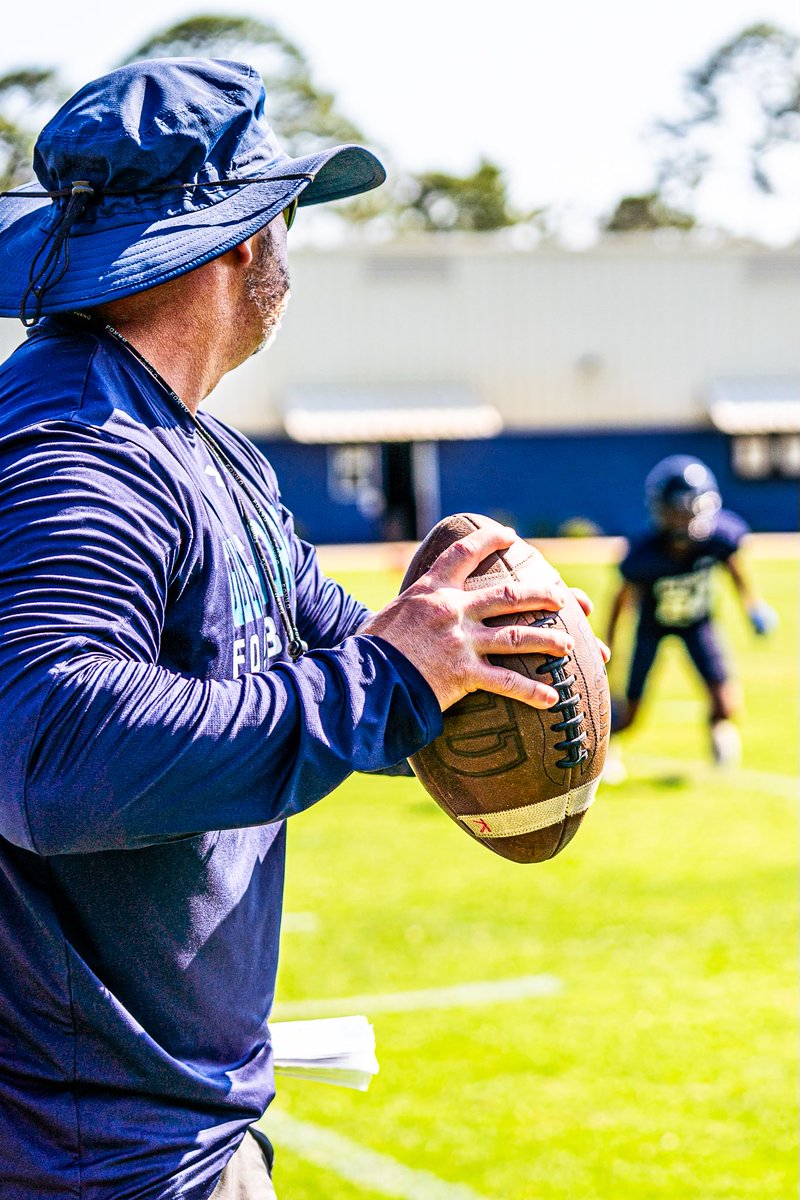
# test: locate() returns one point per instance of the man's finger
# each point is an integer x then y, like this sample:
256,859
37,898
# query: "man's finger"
514,597
522,639
454,565
503,682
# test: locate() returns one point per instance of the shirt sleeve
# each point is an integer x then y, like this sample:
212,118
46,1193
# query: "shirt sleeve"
102,747
326,613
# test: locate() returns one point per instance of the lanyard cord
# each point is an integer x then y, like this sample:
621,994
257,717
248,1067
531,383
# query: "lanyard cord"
279,587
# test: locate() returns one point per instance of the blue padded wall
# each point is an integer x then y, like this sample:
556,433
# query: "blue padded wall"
538,482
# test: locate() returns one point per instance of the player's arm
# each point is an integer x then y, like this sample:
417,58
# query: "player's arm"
626,598
762,617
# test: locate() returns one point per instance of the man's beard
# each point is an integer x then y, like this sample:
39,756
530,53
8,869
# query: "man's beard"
266,289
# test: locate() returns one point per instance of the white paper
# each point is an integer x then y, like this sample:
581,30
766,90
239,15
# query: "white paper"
336,1050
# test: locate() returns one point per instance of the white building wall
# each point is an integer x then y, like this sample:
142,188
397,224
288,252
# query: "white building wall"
629,333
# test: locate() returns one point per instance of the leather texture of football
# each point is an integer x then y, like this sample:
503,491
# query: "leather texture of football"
516,778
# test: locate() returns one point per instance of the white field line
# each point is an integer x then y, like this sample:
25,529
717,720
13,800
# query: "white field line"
740,778
488,992
299,922
362,1167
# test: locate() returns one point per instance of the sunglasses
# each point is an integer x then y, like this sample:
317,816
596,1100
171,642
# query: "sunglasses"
290,212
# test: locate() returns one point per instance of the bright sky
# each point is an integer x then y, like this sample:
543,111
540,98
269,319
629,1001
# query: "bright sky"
559,94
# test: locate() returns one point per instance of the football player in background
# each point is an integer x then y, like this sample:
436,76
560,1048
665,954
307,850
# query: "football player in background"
667,580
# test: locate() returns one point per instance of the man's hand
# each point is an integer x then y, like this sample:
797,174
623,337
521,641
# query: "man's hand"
439,626
763,618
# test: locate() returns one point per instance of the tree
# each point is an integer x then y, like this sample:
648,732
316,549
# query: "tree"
741,121
304,116
476,202
25,95
434,201
644,213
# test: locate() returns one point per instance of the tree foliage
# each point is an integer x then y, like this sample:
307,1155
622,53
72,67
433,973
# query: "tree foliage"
738,127
645,213
25,94
746,93
477,203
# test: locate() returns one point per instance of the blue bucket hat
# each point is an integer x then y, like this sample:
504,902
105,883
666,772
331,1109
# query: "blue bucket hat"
149,172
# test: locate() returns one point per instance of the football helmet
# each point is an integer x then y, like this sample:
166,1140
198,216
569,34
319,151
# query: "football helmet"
683,497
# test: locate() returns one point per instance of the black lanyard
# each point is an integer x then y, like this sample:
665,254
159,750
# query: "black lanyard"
276,580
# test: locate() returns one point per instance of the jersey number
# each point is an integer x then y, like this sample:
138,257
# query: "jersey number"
683,599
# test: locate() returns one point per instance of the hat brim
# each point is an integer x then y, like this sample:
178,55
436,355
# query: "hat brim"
110,261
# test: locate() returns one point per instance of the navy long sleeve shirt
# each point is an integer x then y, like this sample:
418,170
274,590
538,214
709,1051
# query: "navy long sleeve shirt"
154,737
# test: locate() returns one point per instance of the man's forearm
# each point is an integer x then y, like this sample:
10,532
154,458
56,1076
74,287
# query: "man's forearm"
127,754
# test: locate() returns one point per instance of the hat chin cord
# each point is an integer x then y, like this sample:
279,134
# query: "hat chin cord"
44,276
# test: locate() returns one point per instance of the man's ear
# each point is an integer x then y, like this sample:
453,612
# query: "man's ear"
242,255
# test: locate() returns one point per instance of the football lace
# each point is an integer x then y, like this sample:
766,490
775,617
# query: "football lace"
568,705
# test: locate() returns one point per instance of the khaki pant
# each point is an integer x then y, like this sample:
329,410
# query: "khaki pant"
246,1177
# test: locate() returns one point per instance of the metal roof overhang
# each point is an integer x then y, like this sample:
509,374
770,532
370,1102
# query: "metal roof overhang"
388,413
755,406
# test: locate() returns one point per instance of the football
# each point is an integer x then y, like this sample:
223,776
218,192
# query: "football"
516,778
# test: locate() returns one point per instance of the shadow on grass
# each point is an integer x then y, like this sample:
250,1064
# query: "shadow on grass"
670,781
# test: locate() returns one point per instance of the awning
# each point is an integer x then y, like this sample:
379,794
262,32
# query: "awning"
387,413
755,405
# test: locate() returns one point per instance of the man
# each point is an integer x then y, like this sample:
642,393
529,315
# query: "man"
666,580
176,675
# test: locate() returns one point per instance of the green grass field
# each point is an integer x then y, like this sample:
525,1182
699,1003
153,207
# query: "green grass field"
666,1064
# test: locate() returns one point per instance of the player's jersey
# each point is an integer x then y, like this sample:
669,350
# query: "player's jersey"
675,589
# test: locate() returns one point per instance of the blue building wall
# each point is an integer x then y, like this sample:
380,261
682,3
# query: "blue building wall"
545,480
538,482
